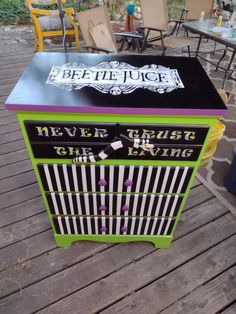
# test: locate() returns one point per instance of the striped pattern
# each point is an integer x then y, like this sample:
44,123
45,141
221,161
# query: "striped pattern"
113,225
107,204
101,178
111,148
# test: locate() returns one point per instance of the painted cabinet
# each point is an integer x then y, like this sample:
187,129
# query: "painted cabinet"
115,141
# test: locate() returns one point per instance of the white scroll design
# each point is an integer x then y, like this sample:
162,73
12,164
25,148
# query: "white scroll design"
115,77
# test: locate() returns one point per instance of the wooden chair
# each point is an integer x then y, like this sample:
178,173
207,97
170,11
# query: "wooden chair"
97,32
156,26
47,22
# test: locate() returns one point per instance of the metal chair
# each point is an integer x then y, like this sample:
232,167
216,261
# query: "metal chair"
156,26
47,22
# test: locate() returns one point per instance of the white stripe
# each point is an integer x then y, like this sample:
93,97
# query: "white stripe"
136,196
159,204
174,205
156,180
60,225
140,171
127,201
84,178
102,155
58,181
64,167
75,178
118,205
78,203
88,220
102,199
110,204
166,205
71,204
147,183
154,225
121,178
118,221
167,226
92,159
143,204
54,201
152,198
48,178
116,145
140,225
86,202
61,195
174,180
103,224
110,225
182,179
147,225
131,173
95,206
96,225
93,176
111,178
133,219
125,224
81,224
102,176
159,232
165,180
75,225
68,225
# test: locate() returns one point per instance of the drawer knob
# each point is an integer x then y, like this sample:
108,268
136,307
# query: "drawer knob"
102,182
102,208
103,229
128,182
125,208
124,229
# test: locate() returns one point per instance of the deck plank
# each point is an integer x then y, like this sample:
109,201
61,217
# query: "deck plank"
230,310
11,158
116,281
180,282
209,298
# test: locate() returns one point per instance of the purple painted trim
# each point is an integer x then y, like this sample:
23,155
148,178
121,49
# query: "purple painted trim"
102,182
110,110
128,183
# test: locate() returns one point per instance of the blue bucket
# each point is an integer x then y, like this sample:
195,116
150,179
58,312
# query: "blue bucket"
130,9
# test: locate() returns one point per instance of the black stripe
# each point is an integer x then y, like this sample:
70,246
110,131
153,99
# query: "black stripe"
61,178
67,203
134,179
43,177
64,225
129,225
144,179
144,222
70,176
170,227
115,179
88,177
186,181
164,226
157,225
71,226
52,176
106,176
56,225
169,180
59,205
50,204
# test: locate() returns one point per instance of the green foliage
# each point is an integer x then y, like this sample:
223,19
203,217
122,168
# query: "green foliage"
13,12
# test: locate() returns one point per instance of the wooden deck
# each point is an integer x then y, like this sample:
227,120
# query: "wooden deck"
196,275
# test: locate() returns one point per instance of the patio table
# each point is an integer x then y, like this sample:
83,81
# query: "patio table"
207,29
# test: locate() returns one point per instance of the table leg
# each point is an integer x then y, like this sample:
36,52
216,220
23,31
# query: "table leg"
198,45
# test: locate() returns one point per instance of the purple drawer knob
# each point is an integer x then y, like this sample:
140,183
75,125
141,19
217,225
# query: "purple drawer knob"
103,229
102,208
124,229
102,182
128,182
125,208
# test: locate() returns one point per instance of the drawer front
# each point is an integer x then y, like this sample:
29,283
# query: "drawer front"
113,225
55,131
113,204
101,178
68,150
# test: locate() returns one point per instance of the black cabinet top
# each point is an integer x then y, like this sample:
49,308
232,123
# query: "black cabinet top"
95,83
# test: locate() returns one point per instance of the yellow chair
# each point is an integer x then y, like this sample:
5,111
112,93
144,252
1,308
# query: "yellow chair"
47,22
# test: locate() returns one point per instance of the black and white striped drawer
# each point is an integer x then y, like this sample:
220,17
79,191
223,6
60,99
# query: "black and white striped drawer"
113,204
103,178
113,225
